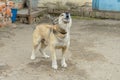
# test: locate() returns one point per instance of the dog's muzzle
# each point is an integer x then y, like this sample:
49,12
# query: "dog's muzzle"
66,21
67,17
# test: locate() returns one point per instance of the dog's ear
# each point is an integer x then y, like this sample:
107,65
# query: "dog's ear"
62,14
52,19
49,17
55,21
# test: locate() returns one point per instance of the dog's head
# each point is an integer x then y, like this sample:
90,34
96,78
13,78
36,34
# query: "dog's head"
65,19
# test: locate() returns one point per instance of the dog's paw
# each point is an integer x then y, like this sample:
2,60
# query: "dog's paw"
63,64
54,66
32,57
45,56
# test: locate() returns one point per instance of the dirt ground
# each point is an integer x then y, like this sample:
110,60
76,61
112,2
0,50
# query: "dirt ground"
94,53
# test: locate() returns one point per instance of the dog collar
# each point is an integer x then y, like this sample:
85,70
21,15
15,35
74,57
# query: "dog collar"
59,32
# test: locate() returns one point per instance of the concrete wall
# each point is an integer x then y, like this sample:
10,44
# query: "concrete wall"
80,2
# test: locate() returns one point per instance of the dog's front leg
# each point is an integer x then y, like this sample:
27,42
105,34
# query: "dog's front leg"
63,62
54,60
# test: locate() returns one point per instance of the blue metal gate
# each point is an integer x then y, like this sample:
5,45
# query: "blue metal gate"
95,4
106,5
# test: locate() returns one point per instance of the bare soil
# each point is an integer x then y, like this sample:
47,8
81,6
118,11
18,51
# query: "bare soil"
94,53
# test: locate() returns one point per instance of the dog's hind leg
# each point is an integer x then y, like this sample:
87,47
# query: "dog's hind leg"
36,42
63,62
42,48
33,52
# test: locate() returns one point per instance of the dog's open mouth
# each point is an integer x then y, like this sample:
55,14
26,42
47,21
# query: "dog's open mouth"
66,21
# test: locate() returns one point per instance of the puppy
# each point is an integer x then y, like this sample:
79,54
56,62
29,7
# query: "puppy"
55,36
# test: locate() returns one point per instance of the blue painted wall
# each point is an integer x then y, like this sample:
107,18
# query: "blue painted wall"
106,5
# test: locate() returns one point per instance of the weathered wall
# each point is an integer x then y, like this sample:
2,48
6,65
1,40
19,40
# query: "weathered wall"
80,2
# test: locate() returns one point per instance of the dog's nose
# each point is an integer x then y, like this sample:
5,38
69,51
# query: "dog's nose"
67,15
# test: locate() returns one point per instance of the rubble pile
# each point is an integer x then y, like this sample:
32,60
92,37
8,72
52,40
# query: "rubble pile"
5,12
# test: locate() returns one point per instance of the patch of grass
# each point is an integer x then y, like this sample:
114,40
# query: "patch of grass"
84,18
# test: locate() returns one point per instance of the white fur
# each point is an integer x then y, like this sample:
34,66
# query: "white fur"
33,55
63,42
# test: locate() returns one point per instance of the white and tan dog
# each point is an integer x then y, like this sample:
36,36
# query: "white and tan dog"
55,36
